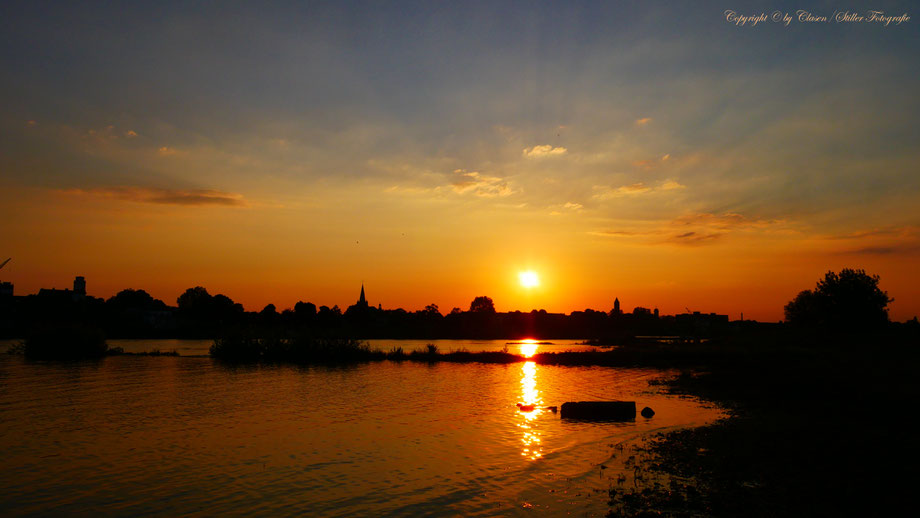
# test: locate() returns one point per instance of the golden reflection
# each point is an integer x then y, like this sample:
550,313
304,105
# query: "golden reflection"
528,347
529,410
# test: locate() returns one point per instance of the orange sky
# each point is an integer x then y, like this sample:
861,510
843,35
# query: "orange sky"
284,155
257,255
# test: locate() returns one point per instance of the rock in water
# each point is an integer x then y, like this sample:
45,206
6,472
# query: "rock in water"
599,410
647,412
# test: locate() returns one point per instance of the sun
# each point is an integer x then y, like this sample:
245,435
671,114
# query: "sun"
529,279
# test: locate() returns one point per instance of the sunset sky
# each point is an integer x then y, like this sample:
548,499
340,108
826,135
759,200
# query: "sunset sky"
648,151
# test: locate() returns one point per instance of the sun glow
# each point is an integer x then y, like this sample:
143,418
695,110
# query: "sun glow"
529,279
528,347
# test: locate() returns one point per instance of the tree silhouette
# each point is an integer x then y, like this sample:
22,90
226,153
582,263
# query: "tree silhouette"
482,305
194,299
848,301
305,310
134,299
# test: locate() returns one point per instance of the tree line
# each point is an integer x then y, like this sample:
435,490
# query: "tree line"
848,301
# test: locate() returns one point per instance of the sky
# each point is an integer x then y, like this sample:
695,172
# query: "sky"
655,152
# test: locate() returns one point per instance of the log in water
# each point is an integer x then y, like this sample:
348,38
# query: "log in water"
601,410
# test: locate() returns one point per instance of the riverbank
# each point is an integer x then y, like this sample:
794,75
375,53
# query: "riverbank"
814,432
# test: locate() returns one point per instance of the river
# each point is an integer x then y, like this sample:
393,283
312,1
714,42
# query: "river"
127,436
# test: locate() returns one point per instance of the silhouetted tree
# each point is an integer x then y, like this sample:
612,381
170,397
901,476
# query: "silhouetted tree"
134,299
848,301
224,307
305,310
201,314
482,305
194,300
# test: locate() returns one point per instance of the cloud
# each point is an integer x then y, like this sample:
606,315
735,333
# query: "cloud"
167,151
406,189
616,233
648,165
643,121
130,133
188,197
464,182
567,206
693,238
724,221
901,232
905,248
881,241
603,192
694,229
670,185
545,150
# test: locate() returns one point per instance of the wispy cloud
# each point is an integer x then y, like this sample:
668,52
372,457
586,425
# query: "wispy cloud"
648,165
472,182
188,197
643,121
568,206
615,233
605,192
542,151
724,221
693,238
880,241
893,249
903,232
693,229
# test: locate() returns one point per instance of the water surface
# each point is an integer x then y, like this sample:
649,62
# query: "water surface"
165,436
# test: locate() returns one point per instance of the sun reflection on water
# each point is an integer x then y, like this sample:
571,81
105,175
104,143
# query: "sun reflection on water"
528,347
530,409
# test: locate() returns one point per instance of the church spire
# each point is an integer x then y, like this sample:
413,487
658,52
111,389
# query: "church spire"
361,300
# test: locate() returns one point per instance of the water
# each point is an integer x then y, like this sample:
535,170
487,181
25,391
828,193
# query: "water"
200,347
165,436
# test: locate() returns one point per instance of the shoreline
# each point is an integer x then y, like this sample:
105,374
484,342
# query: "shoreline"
814,434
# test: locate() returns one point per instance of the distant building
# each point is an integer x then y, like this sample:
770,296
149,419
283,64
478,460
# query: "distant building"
6,289
616,307
79,285
78,292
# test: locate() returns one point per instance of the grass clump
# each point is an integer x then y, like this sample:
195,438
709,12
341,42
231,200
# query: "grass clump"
64,342
242,348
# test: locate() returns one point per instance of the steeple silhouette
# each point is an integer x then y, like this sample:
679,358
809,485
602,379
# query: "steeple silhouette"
361,300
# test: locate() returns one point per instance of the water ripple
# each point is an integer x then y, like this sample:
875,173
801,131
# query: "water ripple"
166,435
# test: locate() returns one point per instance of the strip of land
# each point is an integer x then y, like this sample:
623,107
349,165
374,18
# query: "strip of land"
814,431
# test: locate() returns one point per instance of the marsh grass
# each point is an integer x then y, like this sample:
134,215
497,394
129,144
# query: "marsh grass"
120,351
64,342
243,348
298,350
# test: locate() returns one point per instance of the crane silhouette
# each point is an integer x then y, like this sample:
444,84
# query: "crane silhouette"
4,263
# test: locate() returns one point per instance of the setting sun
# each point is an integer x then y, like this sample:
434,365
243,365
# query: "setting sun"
529,279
